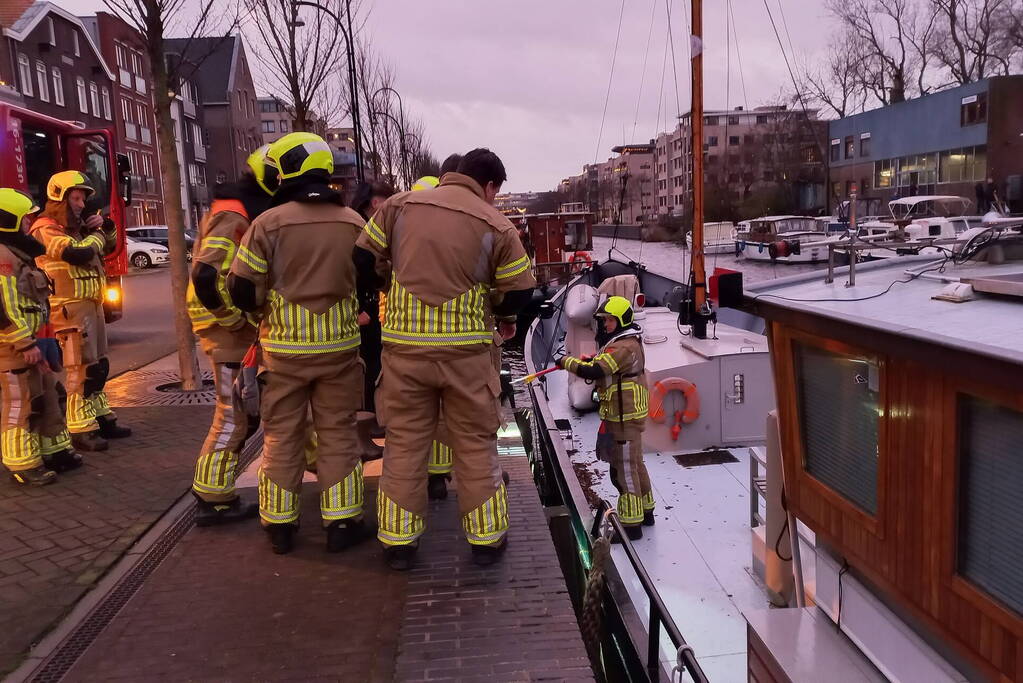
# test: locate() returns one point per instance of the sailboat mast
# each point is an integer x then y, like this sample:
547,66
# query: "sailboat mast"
696,120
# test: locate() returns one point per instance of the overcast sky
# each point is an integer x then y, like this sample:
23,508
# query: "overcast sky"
528,78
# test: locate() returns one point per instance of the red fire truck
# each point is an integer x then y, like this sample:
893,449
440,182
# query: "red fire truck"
33,147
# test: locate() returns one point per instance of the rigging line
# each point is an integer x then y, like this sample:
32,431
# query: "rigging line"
728,108
792,75
674,65
610,80
738,55
785,25
642,77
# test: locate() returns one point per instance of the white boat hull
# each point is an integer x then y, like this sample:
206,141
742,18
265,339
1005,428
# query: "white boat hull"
758,251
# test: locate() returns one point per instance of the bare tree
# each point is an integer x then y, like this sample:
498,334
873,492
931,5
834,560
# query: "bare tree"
837,83
894,39
301,50
975,38
151,18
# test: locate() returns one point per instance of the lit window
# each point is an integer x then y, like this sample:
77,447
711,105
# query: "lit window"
58,86
973,110
25,74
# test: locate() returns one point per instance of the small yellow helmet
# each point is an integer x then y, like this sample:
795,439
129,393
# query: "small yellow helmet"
617,307
427,182
14,206
296,154
61,182
264,171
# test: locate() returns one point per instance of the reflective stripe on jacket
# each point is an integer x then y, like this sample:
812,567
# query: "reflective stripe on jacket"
71,283
220,233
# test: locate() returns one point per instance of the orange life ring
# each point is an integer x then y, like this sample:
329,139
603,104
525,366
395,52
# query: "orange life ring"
666,386
581,257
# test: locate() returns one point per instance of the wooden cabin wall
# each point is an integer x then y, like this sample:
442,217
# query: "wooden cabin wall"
908,549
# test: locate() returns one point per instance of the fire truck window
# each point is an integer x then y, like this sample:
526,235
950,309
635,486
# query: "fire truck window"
89,154
39,155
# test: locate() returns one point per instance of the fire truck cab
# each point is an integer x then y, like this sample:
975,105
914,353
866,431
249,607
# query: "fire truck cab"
34,146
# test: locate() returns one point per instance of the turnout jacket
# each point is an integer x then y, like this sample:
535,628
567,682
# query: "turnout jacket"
619,372
24,304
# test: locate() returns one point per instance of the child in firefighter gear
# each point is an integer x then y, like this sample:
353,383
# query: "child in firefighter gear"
294,263
451,254
618,370
35,441
75,246
225,334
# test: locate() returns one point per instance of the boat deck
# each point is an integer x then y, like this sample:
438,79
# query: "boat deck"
222,607
698,553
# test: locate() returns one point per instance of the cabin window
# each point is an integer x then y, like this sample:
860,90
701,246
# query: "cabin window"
990,537
839,401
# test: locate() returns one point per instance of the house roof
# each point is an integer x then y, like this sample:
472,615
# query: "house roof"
38,11
11,11
217,59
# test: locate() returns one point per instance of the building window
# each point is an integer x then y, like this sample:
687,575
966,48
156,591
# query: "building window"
809,154
106,103
761,118
884,171
733,140
128,114
733,120
836,189
44,90
25,74
58,86
987,549
973,110
50,32
864,186
74,41
284,126
850,147
83,97
835,149
850,187
268,127
712,141
839,401
94,98
864,144
710,121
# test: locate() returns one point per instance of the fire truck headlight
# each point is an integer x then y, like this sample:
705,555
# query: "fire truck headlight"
113,295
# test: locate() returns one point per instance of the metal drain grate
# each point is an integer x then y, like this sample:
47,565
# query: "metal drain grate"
152,388
711,457
67,653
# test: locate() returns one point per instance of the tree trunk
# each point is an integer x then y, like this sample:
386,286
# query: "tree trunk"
188,366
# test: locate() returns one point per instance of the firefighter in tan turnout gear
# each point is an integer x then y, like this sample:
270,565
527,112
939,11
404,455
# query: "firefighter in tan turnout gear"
619,371
455,260
294,264
35,442
75,246
225,333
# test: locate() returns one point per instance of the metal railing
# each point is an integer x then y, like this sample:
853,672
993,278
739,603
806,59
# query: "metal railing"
659,615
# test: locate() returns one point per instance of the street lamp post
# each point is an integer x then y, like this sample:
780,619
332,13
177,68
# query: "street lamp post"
403,169
401,117
352,81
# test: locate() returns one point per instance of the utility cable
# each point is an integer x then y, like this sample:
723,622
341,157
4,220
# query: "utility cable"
610,80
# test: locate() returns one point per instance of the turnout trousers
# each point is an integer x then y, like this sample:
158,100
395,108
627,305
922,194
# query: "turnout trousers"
329,387
621,446
81,331
409,399
31,421
217,466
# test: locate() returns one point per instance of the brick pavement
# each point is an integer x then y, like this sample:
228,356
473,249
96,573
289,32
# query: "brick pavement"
221,607
57,541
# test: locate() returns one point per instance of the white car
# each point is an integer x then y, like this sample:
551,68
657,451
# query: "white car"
144,255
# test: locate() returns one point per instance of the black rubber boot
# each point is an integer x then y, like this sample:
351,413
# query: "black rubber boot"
634,532
63,461
109,429
282,537
37,476
400,557
487,555
90,442
345,533
437,487
213,514
648,518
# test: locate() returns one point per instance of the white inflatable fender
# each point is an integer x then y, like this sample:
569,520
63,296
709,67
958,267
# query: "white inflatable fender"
580,304
580,393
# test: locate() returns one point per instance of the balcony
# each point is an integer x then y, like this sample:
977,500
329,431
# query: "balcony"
131,131
188,105
199,150
140,85
125,77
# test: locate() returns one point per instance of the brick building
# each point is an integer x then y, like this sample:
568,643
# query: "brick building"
943,143
599,186
187,114
228,100
276,119
50,58
122,48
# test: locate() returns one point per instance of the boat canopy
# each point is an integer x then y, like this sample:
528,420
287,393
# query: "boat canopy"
928,206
